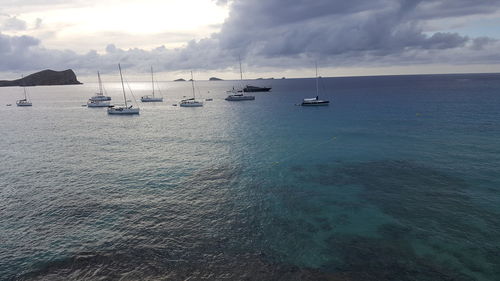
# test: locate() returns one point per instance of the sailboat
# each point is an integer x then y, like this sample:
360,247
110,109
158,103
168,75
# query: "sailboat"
315,101
99,100
100,96
152,98
192,102
125,110
237,95
25,101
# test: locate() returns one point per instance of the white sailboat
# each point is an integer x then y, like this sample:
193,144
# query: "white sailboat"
99,100
191,102
152,98
100,95
237,95
315,101
123,110
25,101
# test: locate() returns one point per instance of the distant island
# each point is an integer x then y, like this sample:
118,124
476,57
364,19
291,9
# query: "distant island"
44,78
214,79
179,80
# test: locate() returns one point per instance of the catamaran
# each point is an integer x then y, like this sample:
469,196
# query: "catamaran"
236,95
124,110
315,101
191,102
100,95
25,101
98,103
152,98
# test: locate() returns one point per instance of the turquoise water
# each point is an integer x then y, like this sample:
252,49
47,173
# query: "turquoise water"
397,179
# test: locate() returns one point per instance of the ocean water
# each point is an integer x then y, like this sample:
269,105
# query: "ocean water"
398,179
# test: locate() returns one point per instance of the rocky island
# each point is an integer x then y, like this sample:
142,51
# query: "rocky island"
44,78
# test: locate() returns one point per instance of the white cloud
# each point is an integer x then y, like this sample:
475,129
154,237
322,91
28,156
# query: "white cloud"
10,23
141,24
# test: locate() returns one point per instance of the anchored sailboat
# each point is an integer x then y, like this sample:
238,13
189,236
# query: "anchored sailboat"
100,95
315,101
152,98
25,101
192,102
99,100
237,95
124,110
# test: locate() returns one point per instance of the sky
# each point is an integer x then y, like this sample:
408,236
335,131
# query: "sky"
273,38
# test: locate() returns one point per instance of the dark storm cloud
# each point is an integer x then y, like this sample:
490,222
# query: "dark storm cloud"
344,33
481,42
325,27
290,33
25,53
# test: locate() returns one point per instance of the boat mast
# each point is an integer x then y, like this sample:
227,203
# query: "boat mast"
241,72
123,86
24,87
192,84
100,82
152,81
317,87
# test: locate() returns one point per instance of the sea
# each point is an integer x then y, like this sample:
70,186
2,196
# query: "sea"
397,179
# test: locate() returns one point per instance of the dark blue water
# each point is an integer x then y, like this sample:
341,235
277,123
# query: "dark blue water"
397,179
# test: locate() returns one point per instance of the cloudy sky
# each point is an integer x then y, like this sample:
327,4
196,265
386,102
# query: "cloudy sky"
272,37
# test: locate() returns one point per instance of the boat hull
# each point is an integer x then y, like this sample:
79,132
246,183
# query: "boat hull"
122,111
317,103
191,104
239,98
250,89
23,103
